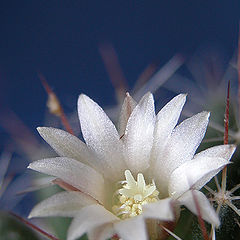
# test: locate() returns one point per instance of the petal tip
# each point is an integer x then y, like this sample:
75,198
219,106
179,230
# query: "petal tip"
84,101
232,147
83,96
29,166
183,95
45,131
148,95
204,115
32,214
40,129
207,114
146,99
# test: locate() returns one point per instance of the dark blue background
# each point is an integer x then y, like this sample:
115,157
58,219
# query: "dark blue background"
61,39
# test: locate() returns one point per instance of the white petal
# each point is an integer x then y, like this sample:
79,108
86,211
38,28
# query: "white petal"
180,148
206,210
186,138
166,121
132,228
222,151
128,105
64,204
139,134
89,218
77,174
161,209
101,136
67,145
195,173
38,184
104,232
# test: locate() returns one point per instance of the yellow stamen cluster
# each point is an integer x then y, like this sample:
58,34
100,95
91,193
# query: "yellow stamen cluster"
133,195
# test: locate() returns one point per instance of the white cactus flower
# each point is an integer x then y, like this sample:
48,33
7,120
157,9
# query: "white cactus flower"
120,178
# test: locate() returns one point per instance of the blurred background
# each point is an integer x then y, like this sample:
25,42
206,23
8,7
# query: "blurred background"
103,49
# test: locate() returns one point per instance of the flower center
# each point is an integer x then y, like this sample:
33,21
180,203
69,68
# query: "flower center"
133,195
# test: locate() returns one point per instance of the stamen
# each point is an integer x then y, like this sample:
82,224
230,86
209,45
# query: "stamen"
133,195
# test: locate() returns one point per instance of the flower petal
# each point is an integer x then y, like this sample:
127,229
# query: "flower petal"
64,204
139,134
161,210
222,151
67,145
194,174
206,210
102,137
132,228
79,175
89,218
128,105
166,121
180,148
186,138
103,232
